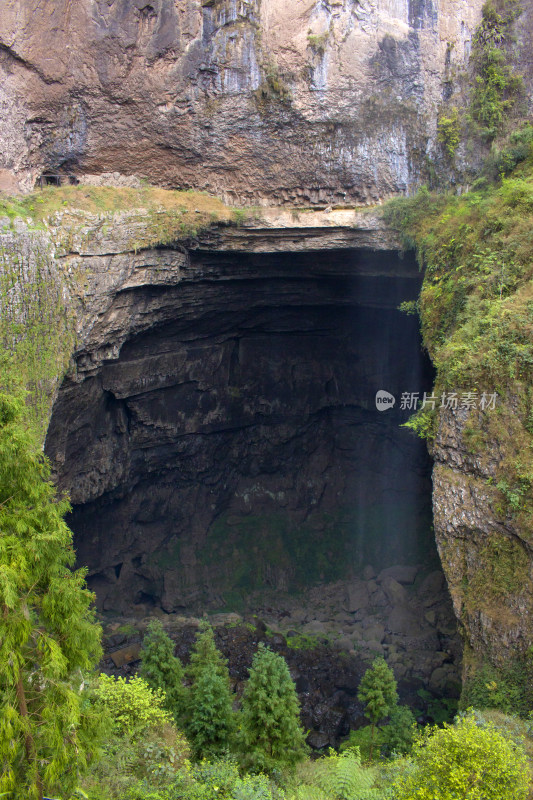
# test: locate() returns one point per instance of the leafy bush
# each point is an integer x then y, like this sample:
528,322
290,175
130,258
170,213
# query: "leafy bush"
496,86
221,779
465,761
508,689
132,706
338,776
448,131
398,735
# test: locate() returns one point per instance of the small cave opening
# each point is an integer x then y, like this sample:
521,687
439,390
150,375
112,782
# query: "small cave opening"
246,452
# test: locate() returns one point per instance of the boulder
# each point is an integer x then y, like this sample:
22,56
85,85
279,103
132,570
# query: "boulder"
395,593
431,588
357,597
401,574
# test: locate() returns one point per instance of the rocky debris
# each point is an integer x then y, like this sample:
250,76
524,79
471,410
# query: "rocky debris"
327,652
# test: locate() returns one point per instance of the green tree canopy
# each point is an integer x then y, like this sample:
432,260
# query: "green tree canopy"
161,669
271,733
48,633
205,654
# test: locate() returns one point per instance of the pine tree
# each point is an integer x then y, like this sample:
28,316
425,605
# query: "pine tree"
211,723
48,633
161,669
205,654
271,734
377,691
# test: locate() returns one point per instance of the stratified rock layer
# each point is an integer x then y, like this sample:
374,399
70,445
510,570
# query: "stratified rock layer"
220,434
255,100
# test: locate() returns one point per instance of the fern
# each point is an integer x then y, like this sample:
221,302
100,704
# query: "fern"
339,776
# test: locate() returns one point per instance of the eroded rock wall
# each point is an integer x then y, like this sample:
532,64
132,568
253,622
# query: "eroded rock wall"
258,101
220,433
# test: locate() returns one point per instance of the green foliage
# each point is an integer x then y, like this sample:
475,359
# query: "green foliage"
205,655
377,691
398,735
423,422
48,633
394,738
465,761
128,767
505,156
508,689
496,87
36,331
318,42
271,734
221,779
449,131
338,776
161,669
272,88
131,705
211,722
440,709
409,307
364,739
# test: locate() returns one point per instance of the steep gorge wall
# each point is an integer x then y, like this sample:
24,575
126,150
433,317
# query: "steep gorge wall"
257,101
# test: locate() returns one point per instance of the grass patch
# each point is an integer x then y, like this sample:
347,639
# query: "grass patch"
166,215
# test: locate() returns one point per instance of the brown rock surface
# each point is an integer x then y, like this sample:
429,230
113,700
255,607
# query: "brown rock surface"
255,100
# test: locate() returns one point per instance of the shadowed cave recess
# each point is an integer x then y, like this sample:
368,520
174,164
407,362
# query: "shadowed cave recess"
232,457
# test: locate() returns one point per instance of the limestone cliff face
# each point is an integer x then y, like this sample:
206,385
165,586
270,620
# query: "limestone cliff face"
485,543
258,101
219,432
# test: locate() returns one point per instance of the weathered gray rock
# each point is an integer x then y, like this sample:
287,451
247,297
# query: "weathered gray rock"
357,596
402,574
259,102
395,593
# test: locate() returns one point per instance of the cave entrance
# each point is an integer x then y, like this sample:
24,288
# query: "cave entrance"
235,447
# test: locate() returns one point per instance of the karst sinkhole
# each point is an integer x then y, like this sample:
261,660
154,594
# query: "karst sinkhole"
234,446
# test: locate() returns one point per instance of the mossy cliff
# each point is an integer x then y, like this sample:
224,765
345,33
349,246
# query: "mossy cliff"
46,285
476,310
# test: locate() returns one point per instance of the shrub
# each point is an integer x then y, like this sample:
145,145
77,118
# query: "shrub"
448,131
496,86
338,776
132,706
465,761
398,736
